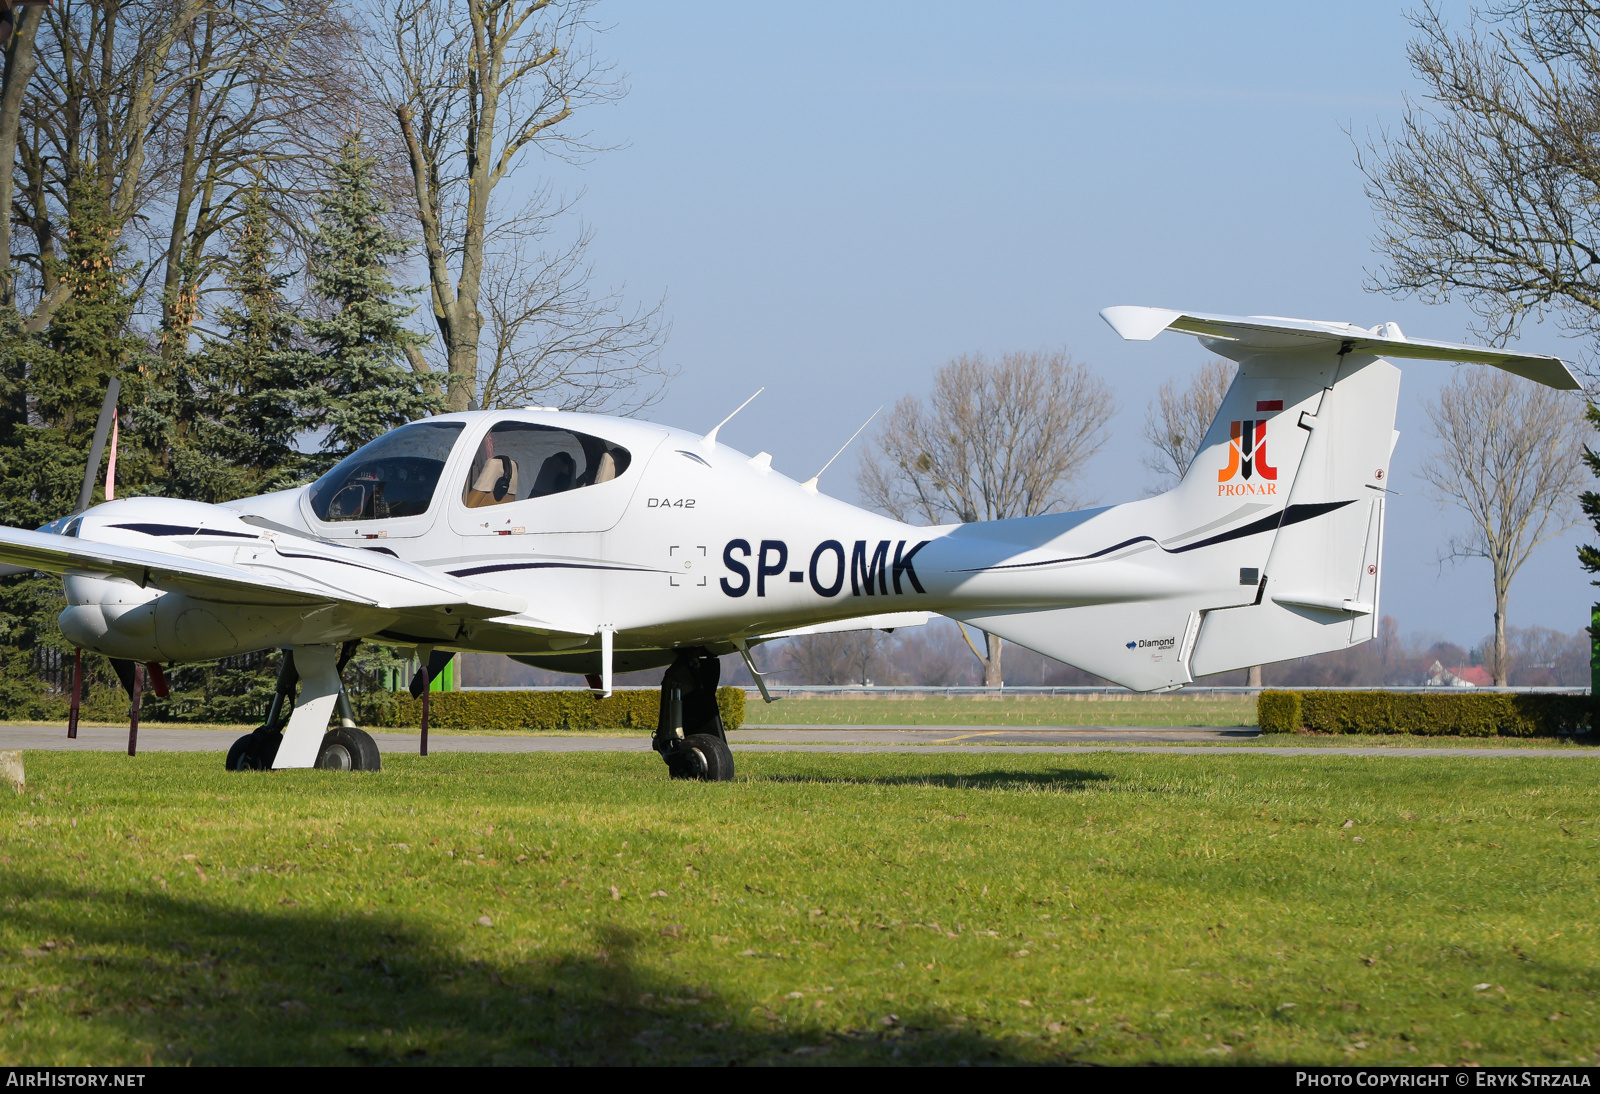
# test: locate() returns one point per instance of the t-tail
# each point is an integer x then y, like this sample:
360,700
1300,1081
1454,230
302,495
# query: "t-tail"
1271,546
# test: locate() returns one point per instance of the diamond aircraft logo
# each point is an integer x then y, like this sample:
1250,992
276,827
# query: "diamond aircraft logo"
1248,471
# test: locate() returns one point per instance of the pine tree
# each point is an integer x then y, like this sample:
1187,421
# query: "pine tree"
172,421
366,389
223,419
62,376
1589,556
229,415
52,386
255,375
170,412
89,340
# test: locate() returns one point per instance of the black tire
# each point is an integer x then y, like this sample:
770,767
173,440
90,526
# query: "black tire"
348,750
241,757
253,752
701,756
266,747
370,759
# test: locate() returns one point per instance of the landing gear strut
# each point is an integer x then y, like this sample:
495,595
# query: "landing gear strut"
346,748
689,734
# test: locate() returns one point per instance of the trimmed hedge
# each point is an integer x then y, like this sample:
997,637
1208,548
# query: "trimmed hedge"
1278,711
503,710
1429,714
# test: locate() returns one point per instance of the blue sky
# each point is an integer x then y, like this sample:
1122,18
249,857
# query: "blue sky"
838,198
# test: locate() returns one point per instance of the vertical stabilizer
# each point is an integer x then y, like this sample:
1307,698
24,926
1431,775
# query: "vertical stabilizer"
1321,577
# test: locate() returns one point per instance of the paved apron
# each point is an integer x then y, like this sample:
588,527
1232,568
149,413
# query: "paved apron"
838,739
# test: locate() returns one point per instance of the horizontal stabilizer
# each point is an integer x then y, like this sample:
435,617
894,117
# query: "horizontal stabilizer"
1321,603
1241,336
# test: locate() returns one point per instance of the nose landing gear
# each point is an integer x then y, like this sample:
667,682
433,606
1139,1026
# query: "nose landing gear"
689,734
345,748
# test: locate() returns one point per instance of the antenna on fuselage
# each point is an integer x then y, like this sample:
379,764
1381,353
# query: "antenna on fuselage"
811,483
709,441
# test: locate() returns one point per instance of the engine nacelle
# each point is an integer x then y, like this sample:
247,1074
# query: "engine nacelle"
111,616
119,619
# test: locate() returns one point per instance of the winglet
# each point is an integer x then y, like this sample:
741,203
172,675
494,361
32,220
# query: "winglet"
1138,324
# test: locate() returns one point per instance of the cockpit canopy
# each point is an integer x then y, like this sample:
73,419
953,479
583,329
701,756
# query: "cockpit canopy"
397,474
393,476
521,460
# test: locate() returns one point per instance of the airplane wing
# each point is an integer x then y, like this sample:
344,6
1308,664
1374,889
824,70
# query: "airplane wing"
1237,336
266,571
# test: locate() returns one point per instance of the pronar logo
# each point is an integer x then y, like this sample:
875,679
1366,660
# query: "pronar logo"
1247,456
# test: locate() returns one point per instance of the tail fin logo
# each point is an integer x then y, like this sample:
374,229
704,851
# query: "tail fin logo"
1247,459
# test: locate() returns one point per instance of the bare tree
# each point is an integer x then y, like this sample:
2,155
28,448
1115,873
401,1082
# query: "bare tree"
1176,421
1506,459
20,63
1541,657
98,99
997,440
844,657
554,339
179,106
267,97
1488,187
472,85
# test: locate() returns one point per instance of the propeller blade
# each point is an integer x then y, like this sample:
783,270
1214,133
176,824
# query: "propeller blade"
347,651
124,671
437,660
157,678
97,447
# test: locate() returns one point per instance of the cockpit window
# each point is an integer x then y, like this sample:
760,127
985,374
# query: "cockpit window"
522,460
394,476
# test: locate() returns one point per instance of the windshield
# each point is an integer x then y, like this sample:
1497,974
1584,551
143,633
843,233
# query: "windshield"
522,460
394,476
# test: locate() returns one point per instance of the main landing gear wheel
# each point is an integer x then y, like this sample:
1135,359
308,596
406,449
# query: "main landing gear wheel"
347,749
701,756
254,751
689,734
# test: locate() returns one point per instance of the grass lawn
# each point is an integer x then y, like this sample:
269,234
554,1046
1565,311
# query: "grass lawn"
1584,743
1110,908
1019,711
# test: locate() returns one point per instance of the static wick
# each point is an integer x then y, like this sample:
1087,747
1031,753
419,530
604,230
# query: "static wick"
811,483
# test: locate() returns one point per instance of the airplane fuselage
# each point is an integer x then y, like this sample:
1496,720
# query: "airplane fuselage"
690,545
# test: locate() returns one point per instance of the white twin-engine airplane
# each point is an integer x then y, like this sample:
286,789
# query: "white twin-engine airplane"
595,545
